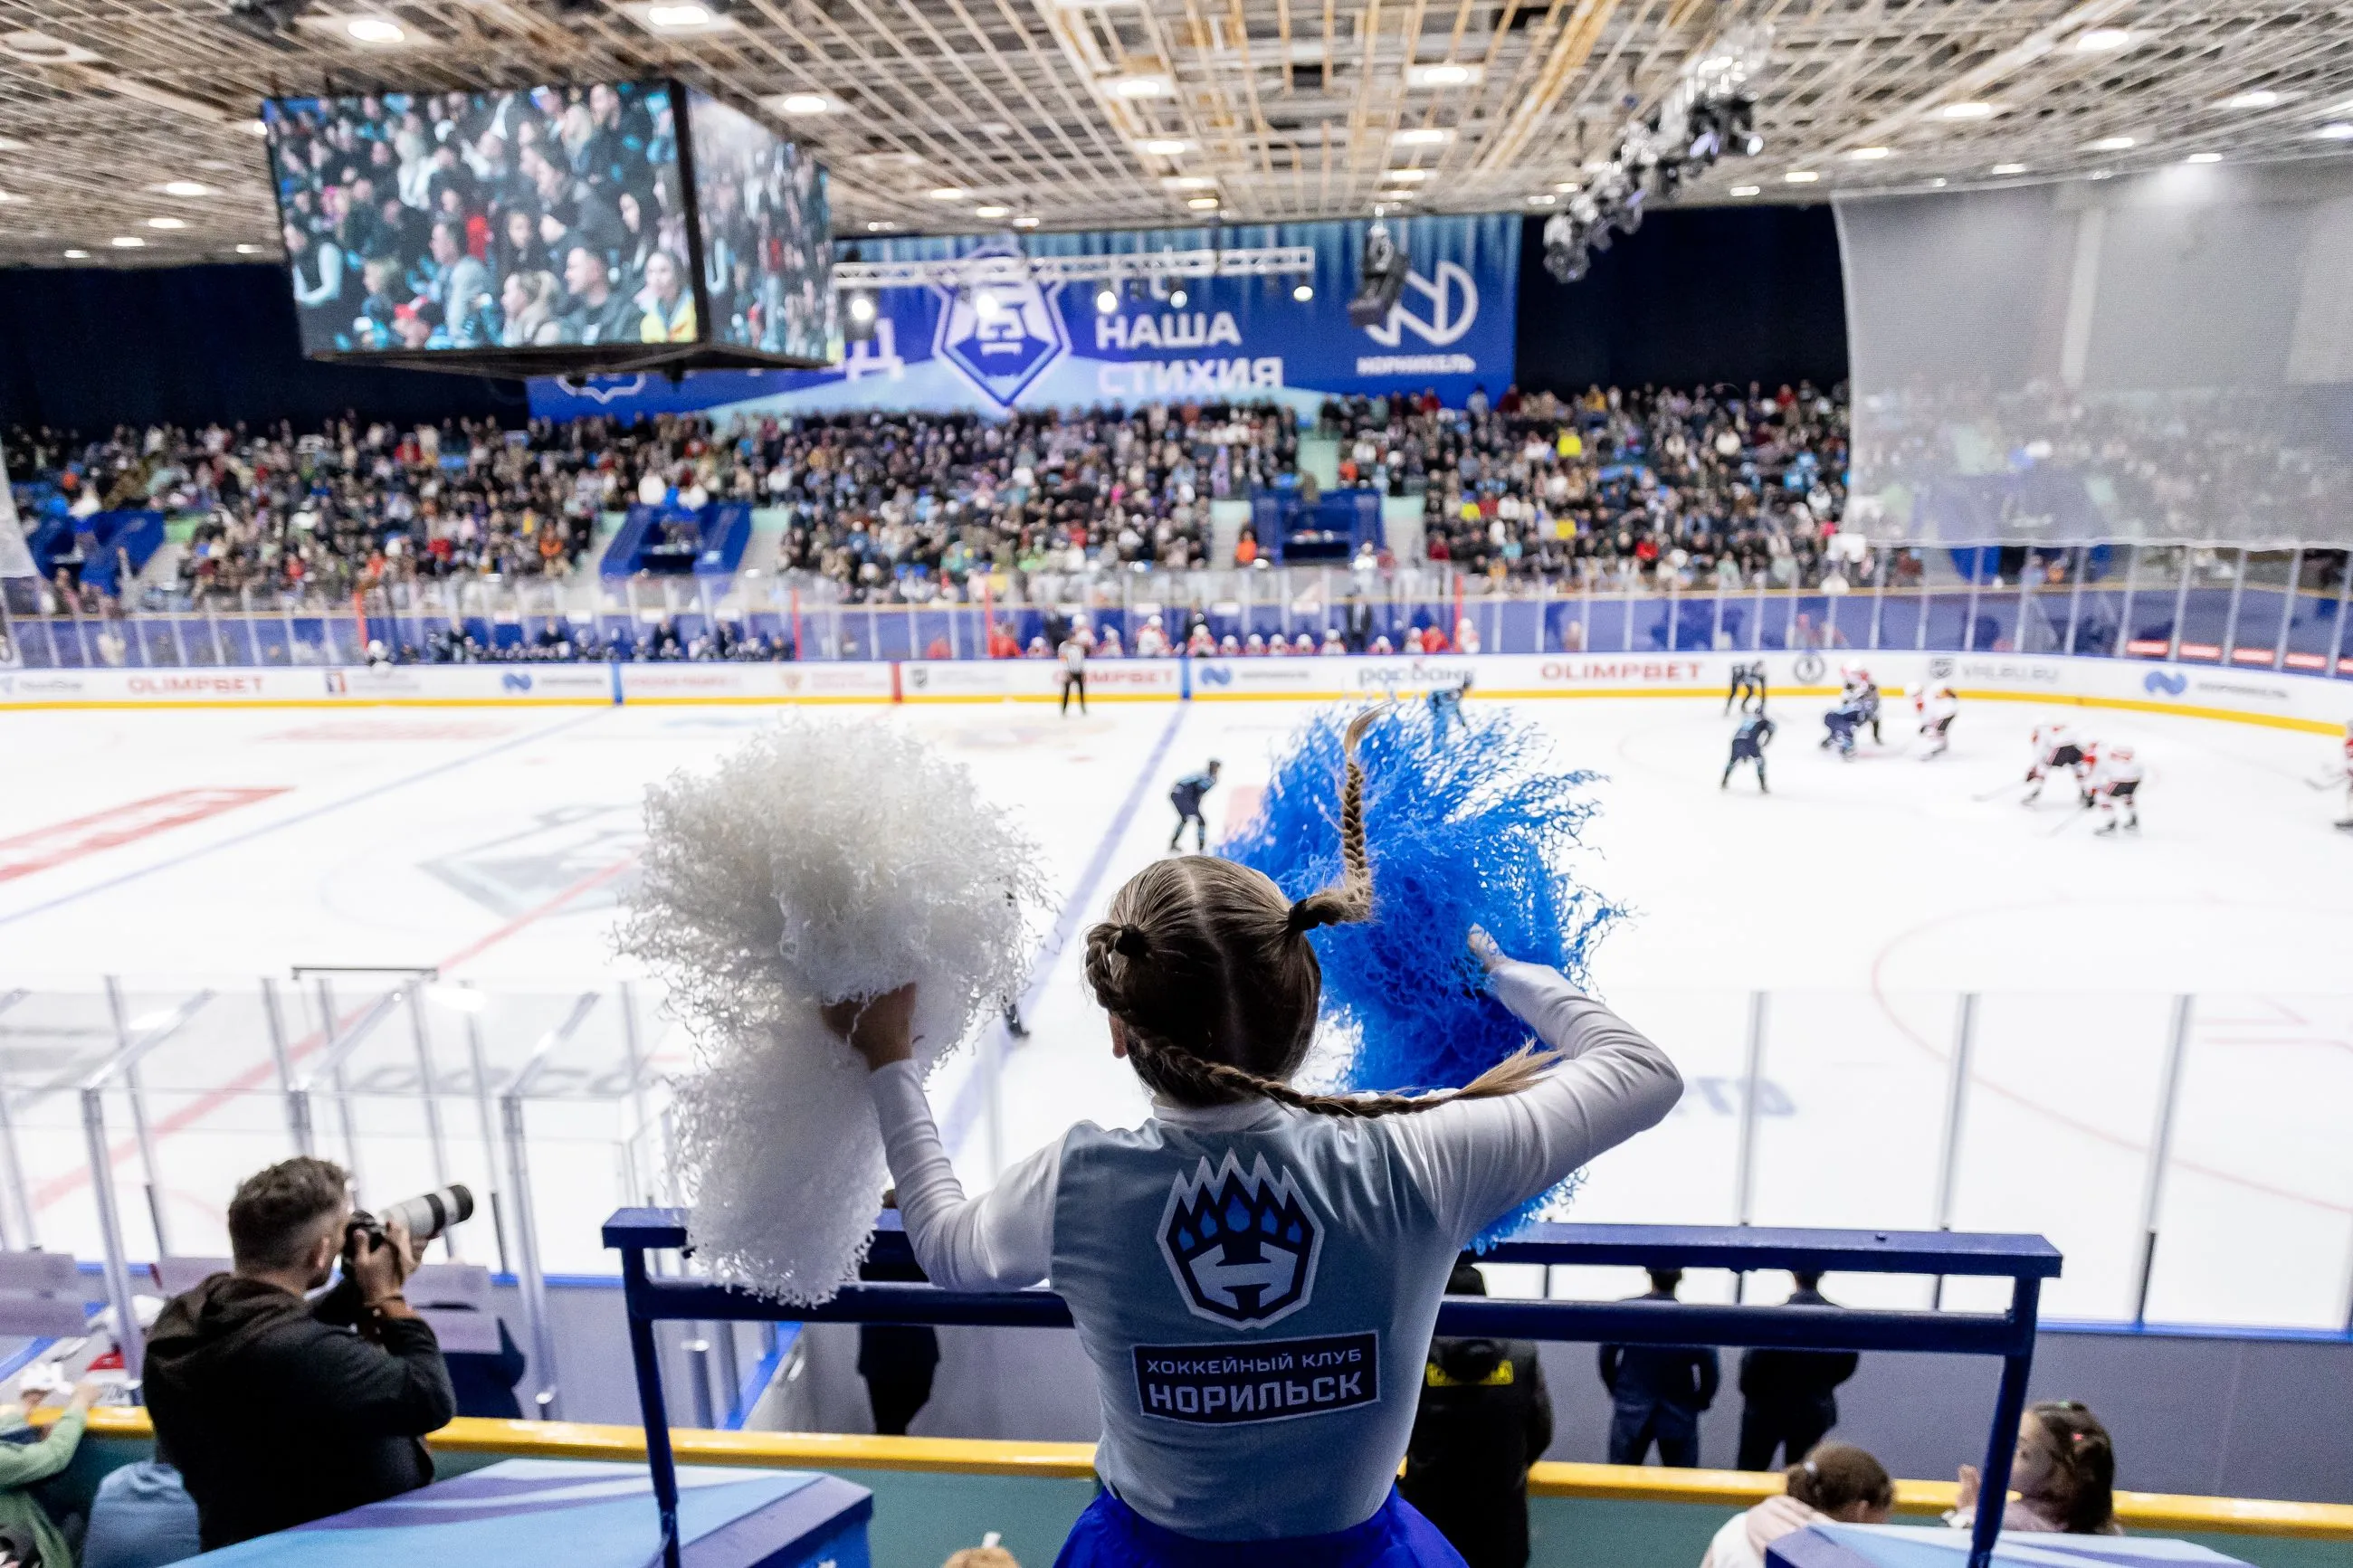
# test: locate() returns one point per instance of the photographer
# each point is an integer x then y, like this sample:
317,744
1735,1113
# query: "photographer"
280,1410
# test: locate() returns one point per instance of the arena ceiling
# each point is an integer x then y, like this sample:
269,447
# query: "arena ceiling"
961,115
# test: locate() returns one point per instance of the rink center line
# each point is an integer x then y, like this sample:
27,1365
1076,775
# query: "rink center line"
956,1123
251,835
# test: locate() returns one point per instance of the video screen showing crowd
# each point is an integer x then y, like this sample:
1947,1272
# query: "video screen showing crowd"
554,216
767,237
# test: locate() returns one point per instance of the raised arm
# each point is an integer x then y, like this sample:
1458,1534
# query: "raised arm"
1002,1240
1479,1159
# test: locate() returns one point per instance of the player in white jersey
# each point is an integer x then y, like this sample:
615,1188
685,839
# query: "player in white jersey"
2115,783
2056,747
1255,1272
1937,708
2345,772
1152,642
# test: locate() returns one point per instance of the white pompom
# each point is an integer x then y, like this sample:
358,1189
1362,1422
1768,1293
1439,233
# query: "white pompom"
821,861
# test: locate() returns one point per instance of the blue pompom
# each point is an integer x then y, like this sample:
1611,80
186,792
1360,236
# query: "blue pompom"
1467,824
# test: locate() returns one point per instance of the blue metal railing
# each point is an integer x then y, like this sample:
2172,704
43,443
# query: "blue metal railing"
2025,1260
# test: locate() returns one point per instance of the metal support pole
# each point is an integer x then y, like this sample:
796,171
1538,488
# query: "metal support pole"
2081,561
1744,1198
124,1044
1957,1100
2160,1152
23,1237
1878,601
2122,648
542,1402
297,1104
2009,1409
698,1371
2288,606
429,1095
1969,615
489,1126
2344,602
110,1226
2230,621
659,1462
2180,607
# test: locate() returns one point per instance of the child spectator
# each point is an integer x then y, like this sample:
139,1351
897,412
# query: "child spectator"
1837,1483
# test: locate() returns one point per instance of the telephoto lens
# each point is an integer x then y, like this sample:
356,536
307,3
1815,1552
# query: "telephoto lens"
429,1214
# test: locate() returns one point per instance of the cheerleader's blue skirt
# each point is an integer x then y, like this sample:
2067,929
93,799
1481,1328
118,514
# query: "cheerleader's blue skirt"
1111,1534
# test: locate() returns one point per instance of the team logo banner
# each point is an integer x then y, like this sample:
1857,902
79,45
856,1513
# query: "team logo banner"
1032,344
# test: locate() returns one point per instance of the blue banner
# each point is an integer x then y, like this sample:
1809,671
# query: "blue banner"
1047,345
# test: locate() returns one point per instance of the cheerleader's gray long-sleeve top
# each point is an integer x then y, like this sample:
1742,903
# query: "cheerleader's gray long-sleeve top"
1256,1285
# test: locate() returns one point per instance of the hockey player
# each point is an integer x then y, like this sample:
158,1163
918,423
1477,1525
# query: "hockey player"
1255,647
1446,704
1841,723
2116,782
1748,680
1748,744
1152,642
1202,643
1938,707
1303,644
1187,798
2055,747
1334,645
1866,701
2345,771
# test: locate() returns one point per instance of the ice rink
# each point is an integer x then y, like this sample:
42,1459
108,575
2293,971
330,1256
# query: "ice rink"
201,851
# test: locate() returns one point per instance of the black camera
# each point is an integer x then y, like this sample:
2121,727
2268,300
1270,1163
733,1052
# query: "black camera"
427,1216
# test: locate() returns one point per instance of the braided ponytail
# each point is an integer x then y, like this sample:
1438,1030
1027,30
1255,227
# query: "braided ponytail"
1207,967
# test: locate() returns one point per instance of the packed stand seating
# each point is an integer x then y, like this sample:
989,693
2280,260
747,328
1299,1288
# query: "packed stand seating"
1704,488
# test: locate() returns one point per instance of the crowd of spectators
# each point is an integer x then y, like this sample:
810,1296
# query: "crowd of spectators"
1702,488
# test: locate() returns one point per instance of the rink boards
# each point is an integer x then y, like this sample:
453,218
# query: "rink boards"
2312,703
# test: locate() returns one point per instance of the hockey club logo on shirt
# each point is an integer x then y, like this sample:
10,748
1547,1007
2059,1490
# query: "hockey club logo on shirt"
1260,1380
1241,1247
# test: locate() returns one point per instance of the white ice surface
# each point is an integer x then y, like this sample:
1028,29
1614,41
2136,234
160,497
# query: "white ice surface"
1864,896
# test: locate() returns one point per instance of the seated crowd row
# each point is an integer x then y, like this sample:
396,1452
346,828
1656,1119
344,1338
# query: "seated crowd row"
1706,486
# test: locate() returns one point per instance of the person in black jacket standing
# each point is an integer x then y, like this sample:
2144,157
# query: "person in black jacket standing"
278,1410
1484,1418
1790,1403
1658,1391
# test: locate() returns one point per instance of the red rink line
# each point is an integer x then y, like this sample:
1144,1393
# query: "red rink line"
253,1078
43,847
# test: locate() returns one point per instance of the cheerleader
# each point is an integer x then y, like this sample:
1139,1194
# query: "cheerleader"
1255,1272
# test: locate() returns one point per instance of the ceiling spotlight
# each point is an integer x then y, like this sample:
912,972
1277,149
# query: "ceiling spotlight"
2007,169
249,250
256,127
2336,130
167,223
992,210
1178,297
383,30
1541,201
126,242
2254,98
1869,154
862,308
881,226
803,104
1190,182
679,16
986,305
1405,176
2102,40
1107,300
1938,184
1971,109
1025,223
1568,187
1448,75
1801,176
1139,86
2203,158
77,256
188,188
1165,146
2110,144
1422,136
948,193
1304,292
1201,204
1746,190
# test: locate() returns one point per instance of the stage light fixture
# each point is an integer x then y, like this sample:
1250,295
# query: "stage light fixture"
383,30
795,104
1871,154
1801,176
167,223
1303,292
947,193
188,189
2110,144
1202,204
2103,40
1139,87
126,242
2203,158
1178,297
2007,169
992,210
1744,190
2336,130
1107,300
1165,146
2254,98
248,249
1971,109
1024,222
857,316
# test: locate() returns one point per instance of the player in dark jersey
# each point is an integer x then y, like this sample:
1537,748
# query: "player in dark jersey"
1446,705
1748,744
1187,798
1748,680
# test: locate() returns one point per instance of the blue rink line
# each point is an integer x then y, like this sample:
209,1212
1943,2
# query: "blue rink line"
316,812
965,1106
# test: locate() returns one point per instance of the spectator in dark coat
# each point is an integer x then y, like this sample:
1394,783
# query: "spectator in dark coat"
1789,1398
1484,1418
1658,1391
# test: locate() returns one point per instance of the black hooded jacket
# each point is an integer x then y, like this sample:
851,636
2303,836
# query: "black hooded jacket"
277,1413
1484,1418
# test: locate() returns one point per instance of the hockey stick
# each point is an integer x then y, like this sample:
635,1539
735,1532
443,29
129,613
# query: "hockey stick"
1999,790
2066,822
2326,780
